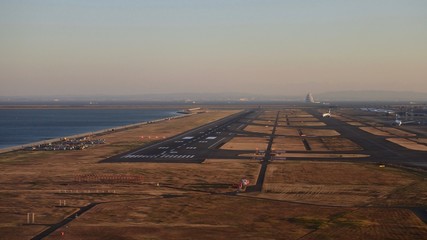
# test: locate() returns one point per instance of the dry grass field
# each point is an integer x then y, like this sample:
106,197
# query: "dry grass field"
34,181
419,140
288,144
387,131
305,156
302,119
264,122
197,216
397,132
286,131
331,183
409,144
354,123
267,129
306,124
246,143
372,223
340,144
376,131
300,199
319,132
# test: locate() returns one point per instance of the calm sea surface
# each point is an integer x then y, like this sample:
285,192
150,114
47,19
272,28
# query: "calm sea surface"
22,126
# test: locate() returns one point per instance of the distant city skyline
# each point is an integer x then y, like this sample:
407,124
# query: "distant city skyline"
276,47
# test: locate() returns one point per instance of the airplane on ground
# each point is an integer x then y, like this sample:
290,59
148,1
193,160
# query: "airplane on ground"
398,122
328,114
379,110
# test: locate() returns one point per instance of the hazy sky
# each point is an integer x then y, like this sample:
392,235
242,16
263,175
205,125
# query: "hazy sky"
256,46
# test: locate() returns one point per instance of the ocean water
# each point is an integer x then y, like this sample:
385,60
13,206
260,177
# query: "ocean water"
22,126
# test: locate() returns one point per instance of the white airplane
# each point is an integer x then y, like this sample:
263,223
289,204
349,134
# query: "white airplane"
328,114
398,122
378,110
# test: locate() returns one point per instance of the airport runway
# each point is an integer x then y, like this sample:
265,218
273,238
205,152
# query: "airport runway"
204,142
193,146
379,149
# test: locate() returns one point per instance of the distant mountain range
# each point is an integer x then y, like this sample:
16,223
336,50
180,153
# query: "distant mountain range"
395,96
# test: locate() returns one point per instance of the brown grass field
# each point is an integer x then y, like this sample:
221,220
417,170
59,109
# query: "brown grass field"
306,124
347,184
319,132
357,124
286,131
376,131
410,144
387,131
288,144
300,199
246,143
259,129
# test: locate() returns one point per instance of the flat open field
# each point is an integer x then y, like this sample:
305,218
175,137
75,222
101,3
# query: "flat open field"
259,129
304,199
410,144
246,143
306,124
197,216
288,144
347,184
316,144
302,119
387,131
33,181
355,123
286,131
264,122
319,132
340,144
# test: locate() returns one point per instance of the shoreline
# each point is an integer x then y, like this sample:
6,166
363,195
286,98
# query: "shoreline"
167,106
95,133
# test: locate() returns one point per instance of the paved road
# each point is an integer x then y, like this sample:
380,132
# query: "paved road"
267,157
67,220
